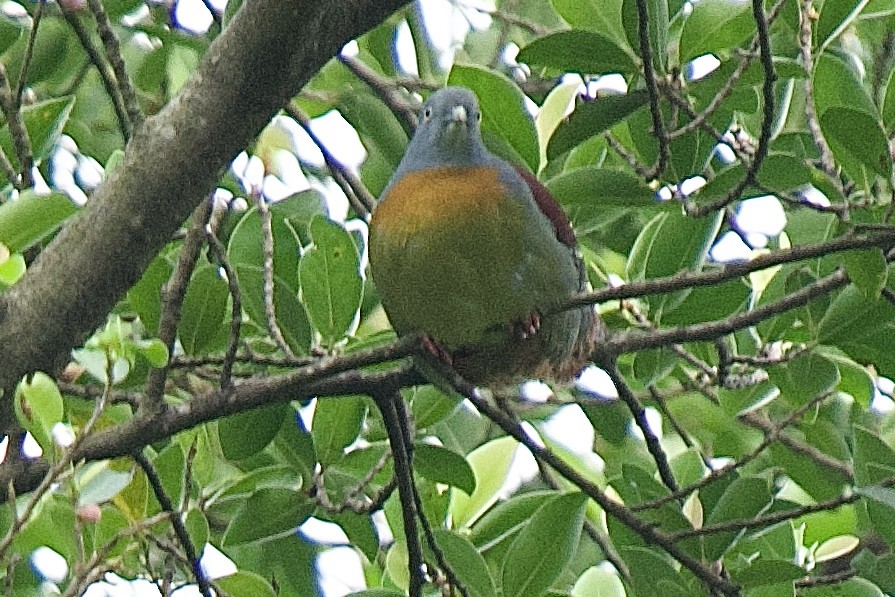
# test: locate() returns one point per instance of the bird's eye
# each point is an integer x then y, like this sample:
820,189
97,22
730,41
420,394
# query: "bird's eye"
478,116
427,113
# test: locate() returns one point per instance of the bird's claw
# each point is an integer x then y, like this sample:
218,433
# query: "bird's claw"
437,350
527,326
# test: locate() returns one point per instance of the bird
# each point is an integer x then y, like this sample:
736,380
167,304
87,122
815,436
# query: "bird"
475,255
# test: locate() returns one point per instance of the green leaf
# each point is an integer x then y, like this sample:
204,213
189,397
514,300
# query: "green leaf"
38,406
170,464
44,122
854,379
503,109
336,424
857,141
657,13
592,117
767,572
290,314
266,513
331,285
10,32
31,217
444,466
853,315
805,377
837,85
867,269
715,27
203,311
529,568
853,587
601,16
246,248
430,405
490,462
245,434
649,570
834,19
508,518
467,563
597,582
672,243
246,583
744,498
12,268
889,104
378,593
577,50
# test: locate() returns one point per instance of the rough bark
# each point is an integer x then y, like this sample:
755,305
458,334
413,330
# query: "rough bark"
266,54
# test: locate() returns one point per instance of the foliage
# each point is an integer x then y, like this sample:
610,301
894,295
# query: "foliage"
250,366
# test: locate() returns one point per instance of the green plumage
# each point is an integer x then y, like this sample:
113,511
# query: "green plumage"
460,250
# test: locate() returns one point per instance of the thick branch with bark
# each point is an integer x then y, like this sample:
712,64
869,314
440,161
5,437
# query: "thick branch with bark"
266,54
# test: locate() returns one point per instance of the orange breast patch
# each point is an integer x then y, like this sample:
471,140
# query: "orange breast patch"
436,196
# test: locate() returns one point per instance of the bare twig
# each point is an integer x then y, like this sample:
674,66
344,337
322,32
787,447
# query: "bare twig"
173,293
116,61
21,142
360,198
270,312
180,530
220,253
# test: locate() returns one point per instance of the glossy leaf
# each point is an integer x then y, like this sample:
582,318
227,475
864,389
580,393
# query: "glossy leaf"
331,285
204,306
336,423
528,568
490,463
805,377
38,406
601,16
31,218
715,26
857,141
745,498
266,513
444,466
467,563
580,51
44,122
592,117
245,434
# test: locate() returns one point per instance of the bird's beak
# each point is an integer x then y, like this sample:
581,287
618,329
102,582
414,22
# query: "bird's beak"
458,114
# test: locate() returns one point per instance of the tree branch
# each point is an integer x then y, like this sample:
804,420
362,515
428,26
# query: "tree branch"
171,164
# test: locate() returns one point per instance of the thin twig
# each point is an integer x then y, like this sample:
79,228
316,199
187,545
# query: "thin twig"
384,88
173,293
116,61
29,51
406,489
647,531
652,88
362,201
180,530
21,142
220,253
268,291
105,70
768,113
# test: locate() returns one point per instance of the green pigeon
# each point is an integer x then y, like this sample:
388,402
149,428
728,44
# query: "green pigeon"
469,251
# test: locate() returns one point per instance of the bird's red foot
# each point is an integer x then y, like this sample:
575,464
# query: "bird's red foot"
527,326
438,351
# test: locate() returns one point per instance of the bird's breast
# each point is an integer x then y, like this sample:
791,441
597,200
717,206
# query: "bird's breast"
439,198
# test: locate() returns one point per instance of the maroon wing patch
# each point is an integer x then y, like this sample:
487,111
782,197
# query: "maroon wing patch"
550,208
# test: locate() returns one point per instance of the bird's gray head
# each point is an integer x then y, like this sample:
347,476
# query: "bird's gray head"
448,132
